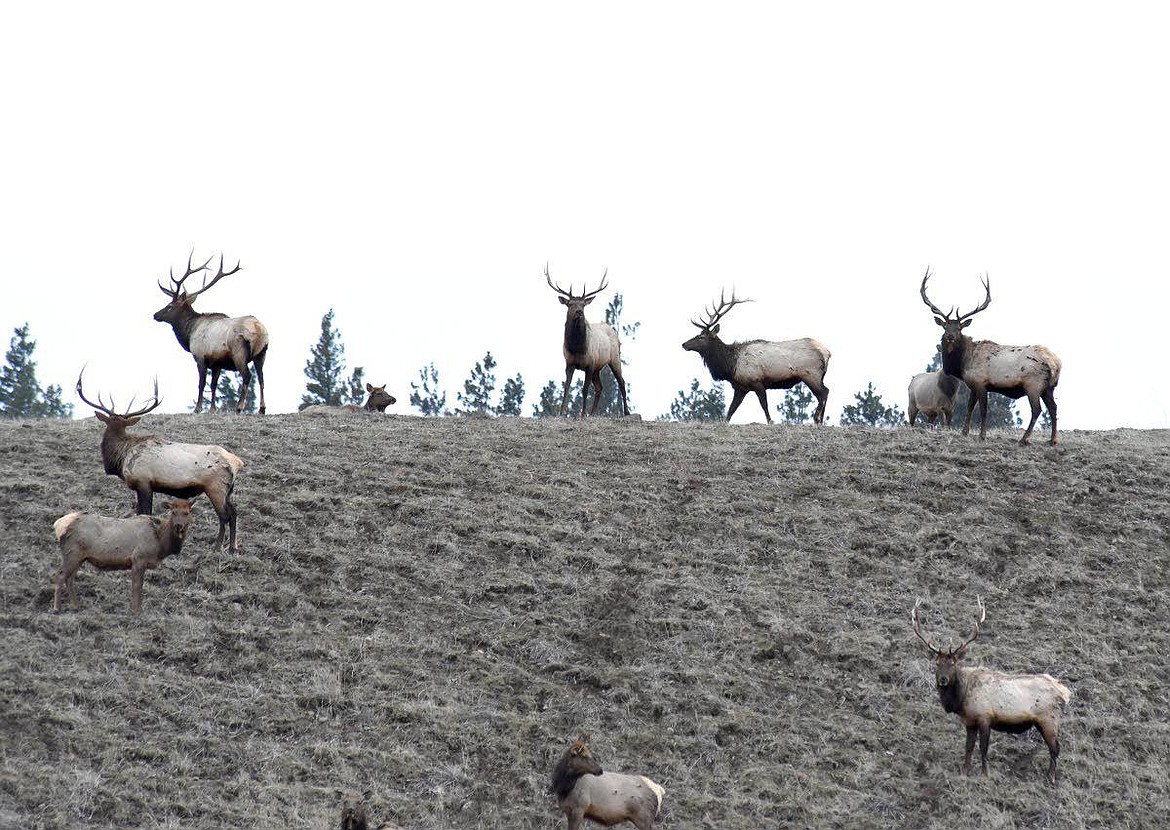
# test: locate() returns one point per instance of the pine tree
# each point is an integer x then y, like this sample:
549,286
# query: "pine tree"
698,404
426,397
476,397
228,393
549,405
512,397
356,391
868,409
797,406
325,370
20,395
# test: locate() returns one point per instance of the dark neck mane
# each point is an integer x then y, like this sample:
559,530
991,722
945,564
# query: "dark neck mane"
951,695
952,364
117,446
720,358
575,334
172,542
185,321
563,781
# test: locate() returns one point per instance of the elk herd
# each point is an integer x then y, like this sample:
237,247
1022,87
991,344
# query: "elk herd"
147,464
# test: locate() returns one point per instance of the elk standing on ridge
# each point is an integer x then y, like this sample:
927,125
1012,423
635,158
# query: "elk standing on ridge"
584,790
933,394
136,544
589,347
216,341
1014,371
760,365
987,699
149,464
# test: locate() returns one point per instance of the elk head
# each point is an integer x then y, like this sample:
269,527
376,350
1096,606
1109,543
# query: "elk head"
181,299
708,324
379,397
575,303
952,322
118,421
947,662
180,516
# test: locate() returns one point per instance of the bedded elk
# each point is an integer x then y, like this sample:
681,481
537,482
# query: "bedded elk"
933,394
216,341
149,464
987,699
136,544
584,790
377,401
589,347
760,365
985,366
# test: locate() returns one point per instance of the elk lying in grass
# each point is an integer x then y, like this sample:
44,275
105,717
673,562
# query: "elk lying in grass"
136,544
353,812
216,341
987,699
933,394
589,347
760,365
377,401
1014,371
584,791
149,464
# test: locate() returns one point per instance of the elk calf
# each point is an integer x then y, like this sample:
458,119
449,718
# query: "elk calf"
933,394
136,544
987,699
760,365
149,464
584,790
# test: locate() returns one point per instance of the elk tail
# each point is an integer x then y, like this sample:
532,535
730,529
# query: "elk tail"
1064,692
658,790
62,525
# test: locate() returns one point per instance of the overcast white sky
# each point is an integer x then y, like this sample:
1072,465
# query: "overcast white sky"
414,166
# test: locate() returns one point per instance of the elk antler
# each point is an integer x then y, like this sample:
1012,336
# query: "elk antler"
219,276
926,299
177,284
978,622
715,313
154,401
953,313
918,631
986,302
569,294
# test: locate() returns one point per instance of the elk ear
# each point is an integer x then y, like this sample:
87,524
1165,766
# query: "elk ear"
132,421
965,324
588,300
103,417
940,321
715,330
563,300
369,388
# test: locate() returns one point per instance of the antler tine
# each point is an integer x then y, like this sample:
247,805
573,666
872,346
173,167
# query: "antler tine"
978,622
219,276
986,280
100,404
925,299
556,287
917,630
599,288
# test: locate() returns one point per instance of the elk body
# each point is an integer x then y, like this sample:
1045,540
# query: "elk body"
216,341
136,544
760,365
933,394
377,401
149,464
589,347
584,790
985,699
1014,371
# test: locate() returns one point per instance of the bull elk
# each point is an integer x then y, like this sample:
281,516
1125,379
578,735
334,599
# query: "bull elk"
987,699
760,365
149,464
216,341
933,394
985,366
584,790
589,347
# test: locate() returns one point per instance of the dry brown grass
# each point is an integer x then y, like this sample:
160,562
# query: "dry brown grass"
431,609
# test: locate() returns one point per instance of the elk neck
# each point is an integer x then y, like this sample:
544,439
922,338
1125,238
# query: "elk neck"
186,320
117,446
951,695
576,332
720,358
952,361
170,542
948,384
567,771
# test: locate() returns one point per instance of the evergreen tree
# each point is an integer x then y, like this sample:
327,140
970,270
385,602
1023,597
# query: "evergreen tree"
20,394
476,397
698,404
426,397
1001,410
550,400
325,370
513,396
798,405
868,409
228,394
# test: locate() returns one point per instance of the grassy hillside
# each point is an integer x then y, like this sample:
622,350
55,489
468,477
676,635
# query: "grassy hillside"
432,609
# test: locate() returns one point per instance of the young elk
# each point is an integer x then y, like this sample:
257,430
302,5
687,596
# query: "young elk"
216,341
1014,371
584,791
760,365
987,699
589,347
377,401
933,394
136,544
149,464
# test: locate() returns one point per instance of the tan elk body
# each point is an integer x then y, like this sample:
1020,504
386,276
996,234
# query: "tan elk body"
136,544
988,700
585,791
986,366
932,394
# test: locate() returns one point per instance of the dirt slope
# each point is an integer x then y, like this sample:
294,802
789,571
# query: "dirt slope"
432,609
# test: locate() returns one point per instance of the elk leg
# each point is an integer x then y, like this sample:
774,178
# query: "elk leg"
565,397
616,368
145,501
202,381
222,505
1050,402
1048,730
215,370
576,818
585,392
983,415
1034,402
736,400
911,413
65,580
972,399
762,394
971,733
136,589
984,740
596,390
822,394
258,364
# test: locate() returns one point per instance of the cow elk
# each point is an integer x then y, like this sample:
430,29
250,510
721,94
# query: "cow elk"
985,699
376,401
149,464
589,347
585,791
136,544
933,395
1014,371
216,341
760,365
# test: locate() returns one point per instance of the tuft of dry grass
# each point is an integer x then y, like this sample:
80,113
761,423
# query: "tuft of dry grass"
431,609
